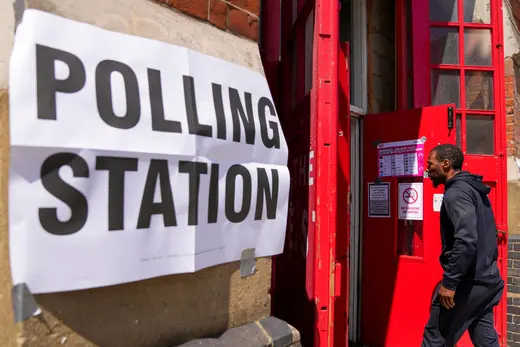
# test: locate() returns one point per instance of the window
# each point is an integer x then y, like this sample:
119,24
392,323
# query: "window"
294,10
309,43
353,26
462,70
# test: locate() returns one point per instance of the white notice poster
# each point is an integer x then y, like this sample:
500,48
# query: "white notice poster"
133,158
379,200
410,198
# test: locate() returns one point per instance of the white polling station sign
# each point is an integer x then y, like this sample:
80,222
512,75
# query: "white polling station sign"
133,158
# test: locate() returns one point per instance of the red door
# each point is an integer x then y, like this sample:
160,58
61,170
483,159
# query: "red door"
400,256
307,284
457,50
293,270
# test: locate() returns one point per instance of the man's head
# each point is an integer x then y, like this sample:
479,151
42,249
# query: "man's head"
444,162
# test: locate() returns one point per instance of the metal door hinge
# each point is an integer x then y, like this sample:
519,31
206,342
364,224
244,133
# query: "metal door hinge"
501,235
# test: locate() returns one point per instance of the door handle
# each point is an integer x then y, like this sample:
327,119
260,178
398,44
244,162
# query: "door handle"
451,124
501,235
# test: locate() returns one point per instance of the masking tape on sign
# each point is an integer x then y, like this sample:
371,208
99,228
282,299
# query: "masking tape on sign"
247,262
24,304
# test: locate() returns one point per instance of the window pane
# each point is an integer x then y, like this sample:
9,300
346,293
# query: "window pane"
480,134
294,10
458,129
409,36
445,86
444,45
477,47
443,11
294,76
479,90
345,21
309,39
477,11
409,92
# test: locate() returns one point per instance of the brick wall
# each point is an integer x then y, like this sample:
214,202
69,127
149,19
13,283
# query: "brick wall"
479,90
512,83
381,55
510,104
240,17
513,292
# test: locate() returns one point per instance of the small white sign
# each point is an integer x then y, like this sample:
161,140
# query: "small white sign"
410,201
437,202
379,200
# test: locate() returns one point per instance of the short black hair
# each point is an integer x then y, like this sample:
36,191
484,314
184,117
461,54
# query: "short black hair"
451,153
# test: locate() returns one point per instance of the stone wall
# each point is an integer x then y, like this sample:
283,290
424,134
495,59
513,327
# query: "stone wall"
381,55
513,294
164,311
512,80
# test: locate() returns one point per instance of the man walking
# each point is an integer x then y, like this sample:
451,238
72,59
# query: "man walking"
471,285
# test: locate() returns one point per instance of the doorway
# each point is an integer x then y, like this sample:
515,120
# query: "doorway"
353,29
355,227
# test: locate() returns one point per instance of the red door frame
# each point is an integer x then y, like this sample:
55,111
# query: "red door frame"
422,97
323,145
342,264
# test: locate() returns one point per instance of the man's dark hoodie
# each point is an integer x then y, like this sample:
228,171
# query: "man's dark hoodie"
468,231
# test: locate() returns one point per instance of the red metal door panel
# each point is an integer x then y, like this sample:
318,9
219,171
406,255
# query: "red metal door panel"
305,293
294,269
399,279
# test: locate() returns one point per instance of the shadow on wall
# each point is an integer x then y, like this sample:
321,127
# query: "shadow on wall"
165,311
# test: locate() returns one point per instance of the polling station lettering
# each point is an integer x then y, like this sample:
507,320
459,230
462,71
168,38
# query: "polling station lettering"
242,116
48,86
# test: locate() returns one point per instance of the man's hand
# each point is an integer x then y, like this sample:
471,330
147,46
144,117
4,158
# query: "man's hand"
446,297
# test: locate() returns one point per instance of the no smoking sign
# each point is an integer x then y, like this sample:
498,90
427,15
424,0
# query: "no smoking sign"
410,195
411,201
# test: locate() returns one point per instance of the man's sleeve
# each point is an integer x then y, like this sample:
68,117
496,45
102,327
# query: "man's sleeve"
461,211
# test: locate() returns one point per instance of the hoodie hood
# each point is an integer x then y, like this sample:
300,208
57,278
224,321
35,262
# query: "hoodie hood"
473,180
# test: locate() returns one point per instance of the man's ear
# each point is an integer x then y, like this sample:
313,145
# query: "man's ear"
446,164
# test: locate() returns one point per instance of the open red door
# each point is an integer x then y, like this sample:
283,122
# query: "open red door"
307,270
457,50
401,241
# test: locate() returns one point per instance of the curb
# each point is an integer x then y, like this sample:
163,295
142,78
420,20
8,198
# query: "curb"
268,332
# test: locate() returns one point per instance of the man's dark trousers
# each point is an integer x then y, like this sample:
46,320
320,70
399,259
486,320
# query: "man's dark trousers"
473,311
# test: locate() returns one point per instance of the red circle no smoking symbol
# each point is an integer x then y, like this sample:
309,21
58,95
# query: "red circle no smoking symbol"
410,195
